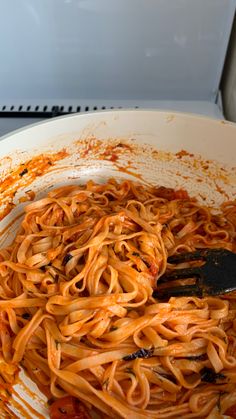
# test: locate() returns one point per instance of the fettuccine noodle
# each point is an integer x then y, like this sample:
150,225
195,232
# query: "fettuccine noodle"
76,305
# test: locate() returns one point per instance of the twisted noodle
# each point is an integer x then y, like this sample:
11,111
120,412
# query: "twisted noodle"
76,300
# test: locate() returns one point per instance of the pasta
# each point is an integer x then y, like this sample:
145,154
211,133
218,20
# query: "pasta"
77,310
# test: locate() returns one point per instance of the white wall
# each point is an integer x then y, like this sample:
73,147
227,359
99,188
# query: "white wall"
113,49
229,80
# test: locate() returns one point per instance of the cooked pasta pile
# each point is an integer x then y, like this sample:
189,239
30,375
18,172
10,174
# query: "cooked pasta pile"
77,310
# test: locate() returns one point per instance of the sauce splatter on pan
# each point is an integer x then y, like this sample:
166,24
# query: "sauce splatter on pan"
24,175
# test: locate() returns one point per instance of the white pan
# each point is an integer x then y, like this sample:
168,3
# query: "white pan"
170,149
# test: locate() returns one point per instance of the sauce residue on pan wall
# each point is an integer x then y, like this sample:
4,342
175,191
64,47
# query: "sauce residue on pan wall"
10,397
142,161
22,176
110,150
124,155
113,151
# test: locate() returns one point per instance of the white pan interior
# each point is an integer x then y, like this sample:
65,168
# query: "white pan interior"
162,148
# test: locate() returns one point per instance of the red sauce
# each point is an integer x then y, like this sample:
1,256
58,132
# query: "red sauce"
231,411
23,175
183,153
170,194
28,407
153,269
